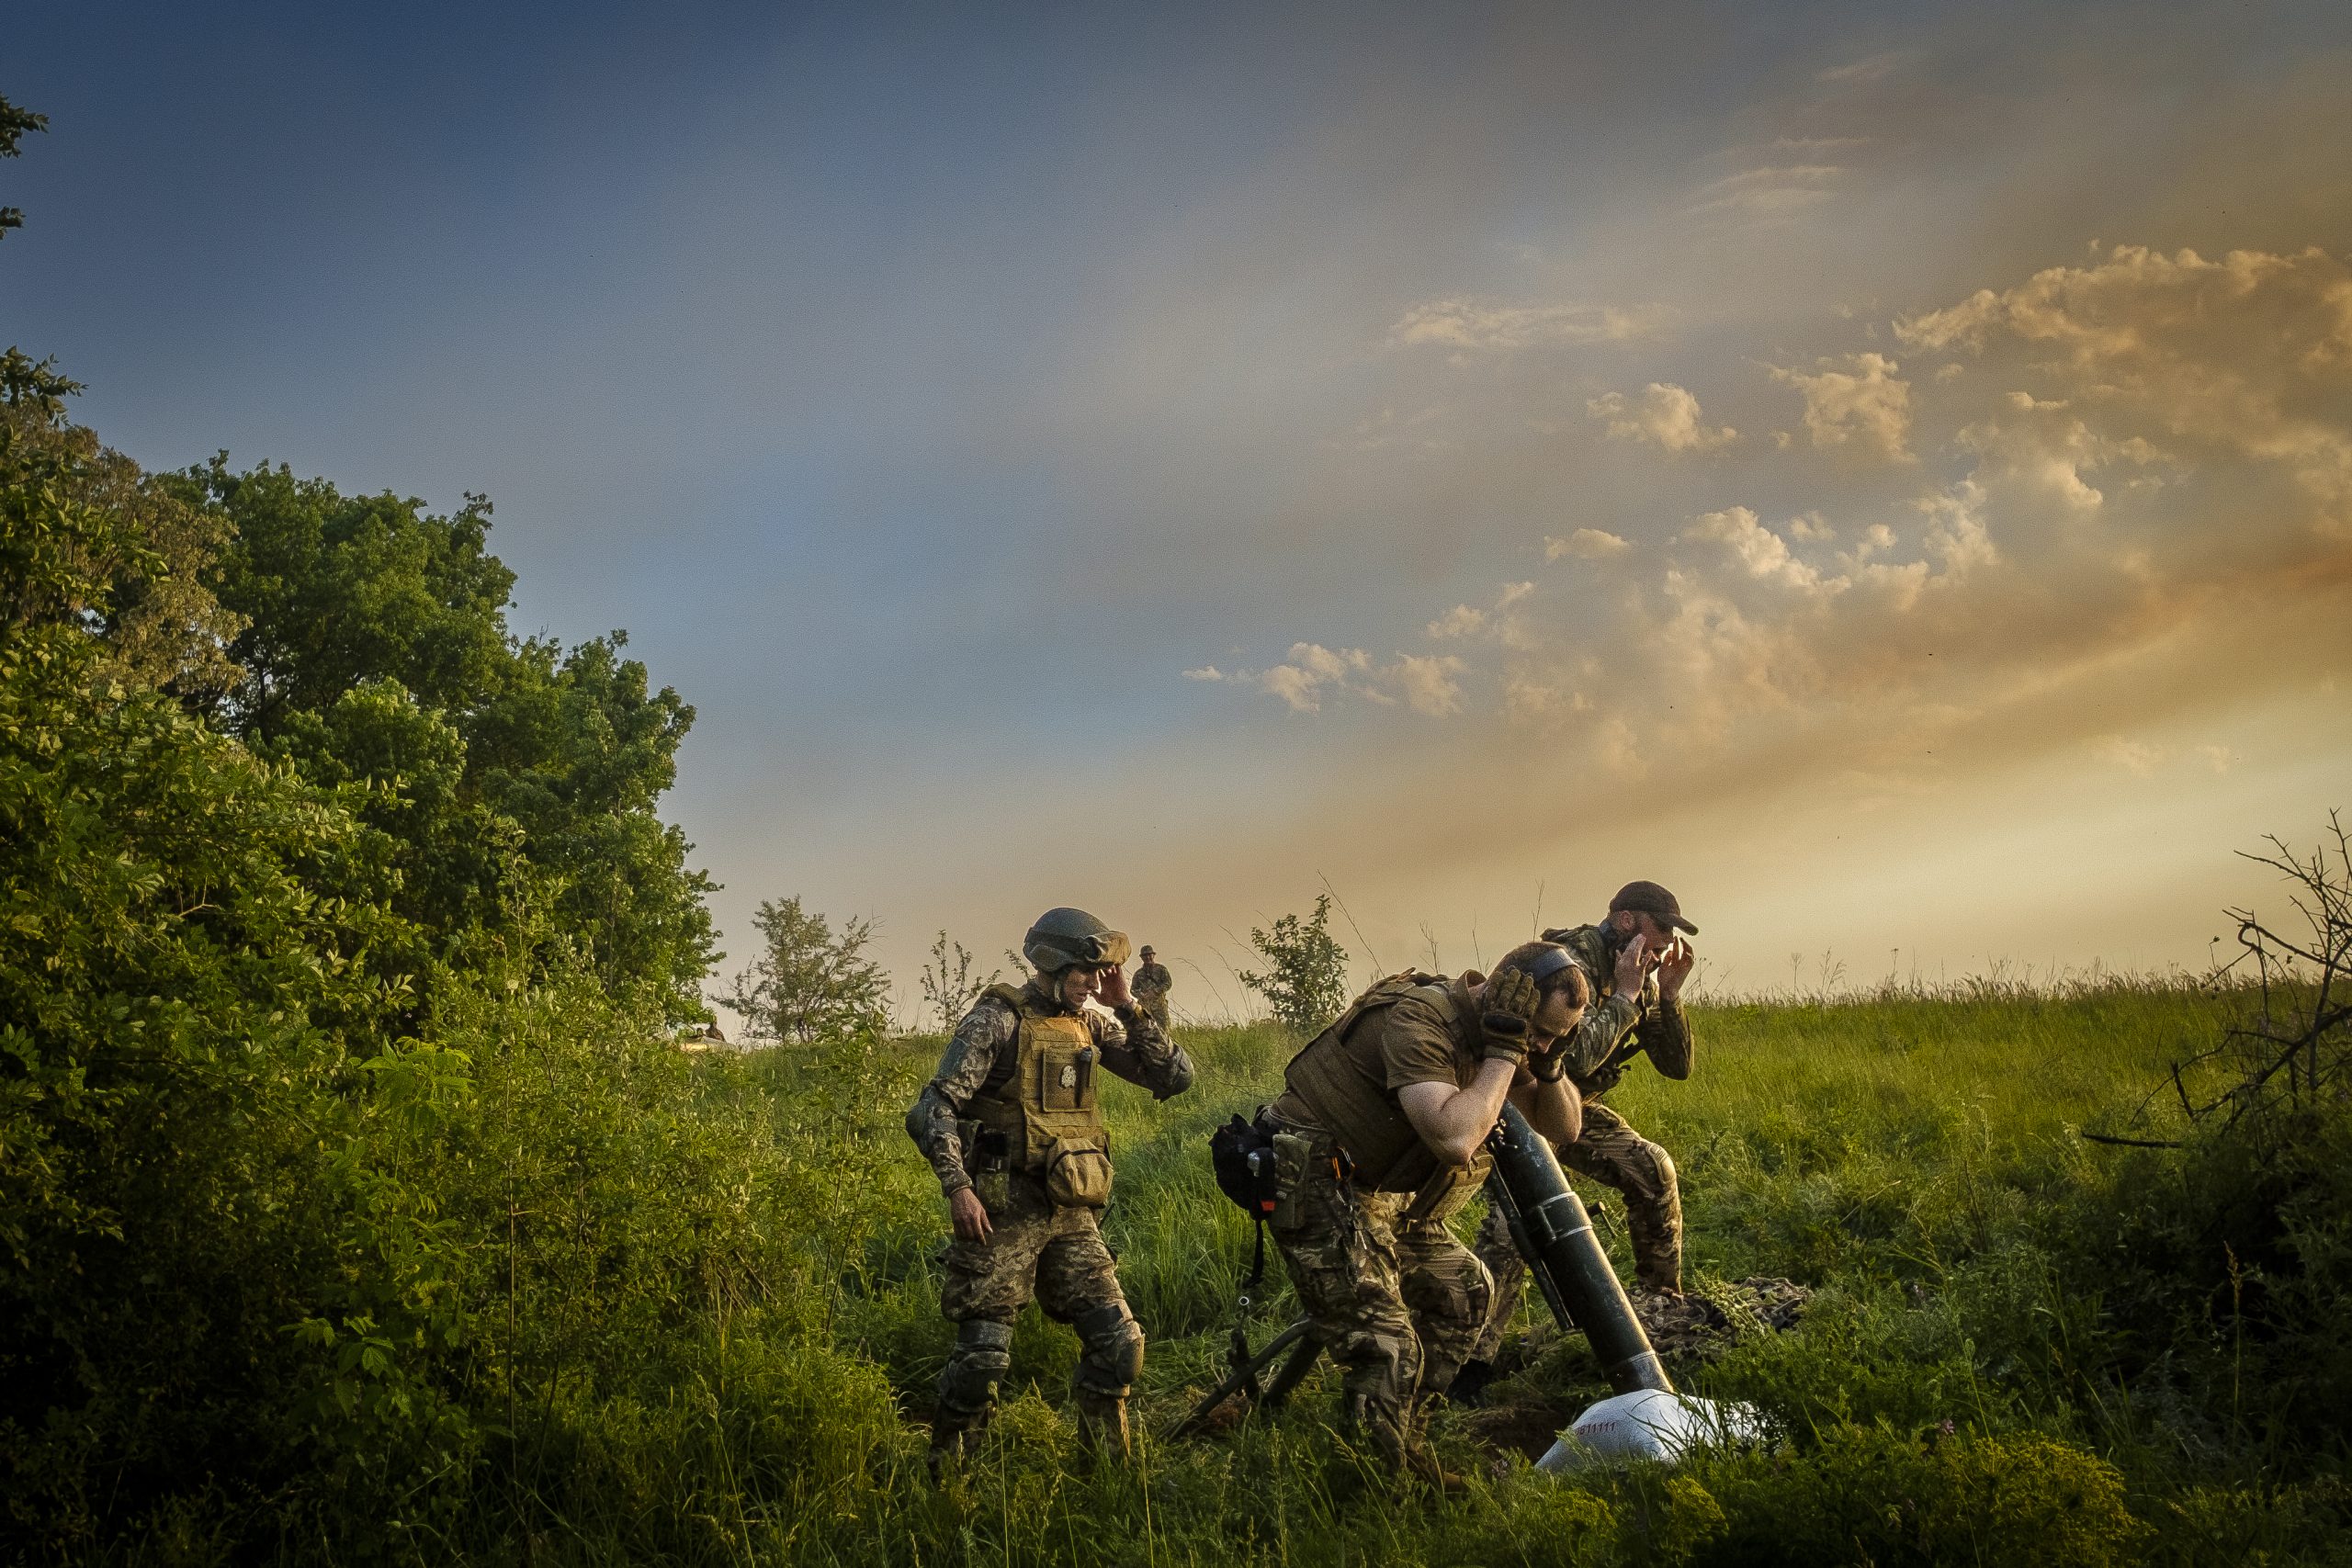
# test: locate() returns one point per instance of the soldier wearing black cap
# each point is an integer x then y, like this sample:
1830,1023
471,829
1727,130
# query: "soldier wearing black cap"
1636,962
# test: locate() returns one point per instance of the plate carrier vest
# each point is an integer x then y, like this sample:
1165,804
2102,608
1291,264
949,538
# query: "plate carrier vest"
1045,1112
1363,1116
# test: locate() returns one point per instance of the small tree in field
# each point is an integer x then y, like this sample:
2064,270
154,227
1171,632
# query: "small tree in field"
808,982
948,987
1305,977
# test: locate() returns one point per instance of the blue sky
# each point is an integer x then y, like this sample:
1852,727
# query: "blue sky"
927,391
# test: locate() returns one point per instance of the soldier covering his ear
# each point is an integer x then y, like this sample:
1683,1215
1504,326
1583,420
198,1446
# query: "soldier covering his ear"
1012,1126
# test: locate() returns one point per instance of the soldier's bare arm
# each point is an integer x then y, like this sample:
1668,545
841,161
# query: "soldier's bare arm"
1453,1121
1555,1109
964,1067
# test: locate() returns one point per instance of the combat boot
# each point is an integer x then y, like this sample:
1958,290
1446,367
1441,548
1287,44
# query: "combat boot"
1103,1426
953,1439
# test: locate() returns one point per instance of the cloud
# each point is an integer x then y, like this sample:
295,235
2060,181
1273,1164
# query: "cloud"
1667,416
1763,553
1431,683
1474,324
1503,622
1871,68
1857,399
2067,574
2220,759
2133,757
1586,544
1956,534
1770,190
2243,357
1427,683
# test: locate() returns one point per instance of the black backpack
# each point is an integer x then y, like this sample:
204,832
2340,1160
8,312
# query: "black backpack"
1243,1155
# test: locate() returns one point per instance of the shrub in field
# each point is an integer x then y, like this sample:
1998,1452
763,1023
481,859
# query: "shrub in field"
1872,1495
1305,980
808,981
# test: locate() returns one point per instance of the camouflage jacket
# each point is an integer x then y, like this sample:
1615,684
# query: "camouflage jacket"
1152,980
1617,1028
1132,1047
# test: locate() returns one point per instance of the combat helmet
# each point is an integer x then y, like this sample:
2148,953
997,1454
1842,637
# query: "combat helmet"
1065,936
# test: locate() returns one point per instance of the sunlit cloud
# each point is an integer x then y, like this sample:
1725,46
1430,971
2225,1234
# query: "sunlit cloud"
1858,397
1586,544
1665,415
2108,504
1472,324
1770,190
2132,756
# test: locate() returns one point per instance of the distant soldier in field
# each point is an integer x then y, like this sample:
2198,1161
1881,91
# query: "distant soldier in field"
1011,1125
1635,962
1151,984
1379,1136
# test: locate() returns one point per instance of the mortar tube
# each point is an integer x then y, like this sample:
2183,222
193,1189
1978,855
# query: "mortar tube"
1560,1246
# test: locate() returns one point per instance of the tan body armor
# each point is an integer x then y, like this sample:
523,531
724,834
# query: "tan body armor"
1337,1082
1043,1120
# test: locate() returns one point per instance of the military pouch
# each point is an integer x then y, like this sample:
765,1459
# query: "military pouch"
1442,1195
987,1160
1293,1156
1078,1176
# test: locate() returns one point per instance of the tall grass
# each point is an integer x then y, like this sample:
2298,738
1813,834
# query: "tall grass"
2023,1347
1961,1392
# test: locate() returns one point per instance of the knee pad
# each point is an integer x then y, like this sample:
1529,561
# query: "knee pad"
1662,1169
982,1355
1112,1354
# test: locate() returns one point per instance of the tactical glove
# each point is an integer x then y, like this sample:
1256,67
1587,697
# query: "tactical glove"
1510,1001
1552,1065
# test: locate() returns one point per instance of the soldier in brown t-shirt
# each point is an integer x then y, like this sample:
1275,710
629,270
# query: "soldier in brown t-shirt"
1380,1135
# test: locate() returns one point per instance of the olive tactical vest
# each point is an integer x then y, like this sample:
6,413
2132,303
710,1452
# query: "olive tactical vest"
1338,1080
1044,1109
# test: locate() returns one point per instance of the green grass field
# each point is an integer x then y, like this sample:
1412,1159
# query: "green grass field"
2005,1362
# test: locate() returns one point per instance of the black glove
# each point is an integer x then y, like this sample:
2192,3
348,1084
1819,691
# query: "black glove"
1552,1065
1510,1000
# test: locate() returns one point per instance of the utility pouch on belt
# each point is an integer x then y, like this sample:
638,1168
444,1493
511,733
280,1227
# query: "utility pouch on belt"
1442,1194
1294,1156
1078,1176
987,1161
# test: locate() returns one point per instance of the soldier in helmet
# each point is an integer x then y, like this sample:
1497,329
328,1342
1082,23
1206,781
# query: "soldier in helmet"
1636,962
1011,1125
1152,984
1379,1135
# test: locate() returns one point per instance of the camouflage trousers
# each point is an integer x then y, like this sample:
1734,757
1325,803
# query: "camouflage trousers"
1156,1006
1056,1254
1396,1302
1610,1152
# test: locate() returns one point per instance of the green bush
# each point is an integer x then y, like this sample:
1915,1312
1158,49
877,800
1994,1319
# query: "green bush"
1869,1494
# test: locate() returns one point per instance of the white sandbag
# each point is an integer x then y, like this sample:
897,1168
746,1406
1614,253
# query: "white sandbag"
1649,1424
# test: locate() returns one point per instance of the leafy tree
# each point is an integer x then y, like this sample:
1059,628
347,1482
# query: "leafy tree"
948,989
13,123
137,550
509,770
809,982
200,998
1305,980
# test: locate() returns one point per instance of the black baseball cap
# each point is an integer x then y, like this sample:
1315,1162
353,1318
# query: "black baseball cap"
1649,898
